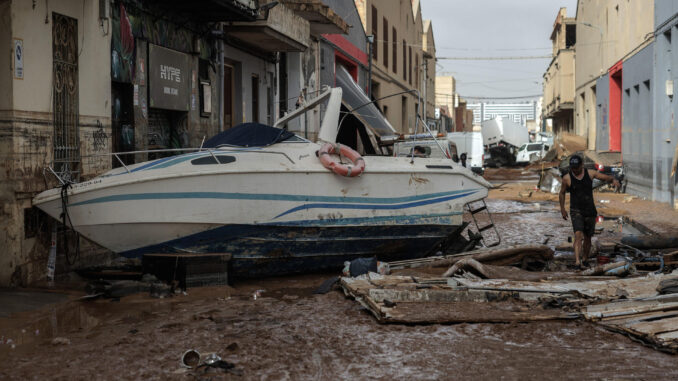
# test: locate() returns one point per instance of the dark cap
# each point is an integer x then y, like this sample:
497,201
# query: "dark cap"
575,161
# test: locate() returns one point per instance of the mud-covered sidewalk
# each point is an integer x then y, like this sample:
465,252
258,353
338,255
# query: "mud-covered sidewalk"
287,332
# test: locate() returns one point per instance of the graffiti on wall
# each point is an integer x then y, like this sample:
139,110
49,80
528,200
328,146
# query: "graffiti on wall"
99,138
129,24
123,52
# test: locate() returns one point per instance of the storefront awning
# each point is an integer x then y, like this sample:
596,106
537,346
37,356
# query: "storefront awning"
354,97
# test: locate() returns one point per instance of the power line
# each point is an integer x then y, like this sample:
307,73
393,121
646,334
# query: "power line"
493,58
507,97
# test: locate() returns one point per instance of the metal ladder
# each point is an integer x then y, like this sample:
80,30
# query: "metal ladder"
473,211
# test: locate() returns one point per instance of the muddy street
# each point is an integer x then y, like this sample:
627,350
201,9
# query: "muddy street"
289,333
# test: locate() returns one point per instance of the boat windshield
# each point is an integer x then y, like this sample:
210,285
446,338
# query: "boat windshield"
249,135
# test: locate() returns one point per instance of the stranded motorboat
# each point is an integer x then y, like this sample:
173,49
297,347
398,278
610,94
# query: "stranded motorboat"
272,204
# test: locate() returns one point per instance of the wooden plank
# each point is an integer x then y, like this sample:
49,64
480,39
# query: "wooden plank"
673,335
482,255
655,327
632,310
632,307
467,312
640,317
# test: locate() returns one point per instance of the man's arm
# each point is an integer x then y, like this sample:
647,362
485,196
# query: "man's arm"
603,177
561,195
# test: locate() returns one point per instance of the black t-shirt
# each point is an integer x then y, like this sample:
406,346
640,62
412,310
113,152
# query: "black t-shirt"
581,195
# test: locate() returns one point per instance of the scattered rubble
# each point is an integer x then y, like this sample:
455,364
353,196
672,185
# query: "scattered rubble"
484,286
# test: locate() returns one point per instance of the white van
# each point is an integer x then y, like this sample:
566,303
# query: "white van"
530,152
470,143
429,146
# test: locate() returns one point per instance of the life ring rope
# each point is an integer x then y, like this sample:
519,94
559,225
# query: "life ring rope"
343,151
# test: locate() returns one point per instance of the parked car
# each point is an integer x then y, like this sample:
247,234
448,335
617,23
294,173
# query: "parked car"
530,152
606,162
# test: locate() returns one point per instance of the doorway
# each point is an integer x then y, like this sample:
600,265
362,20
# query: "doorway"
122,122
615,107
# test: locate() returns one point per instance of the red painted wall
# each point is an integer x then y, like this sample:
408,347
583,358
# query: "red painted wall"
615,106
348,47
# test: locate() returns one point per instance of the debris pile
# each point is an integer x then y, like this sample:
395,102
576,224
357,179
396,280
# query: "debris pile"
501,285
565,145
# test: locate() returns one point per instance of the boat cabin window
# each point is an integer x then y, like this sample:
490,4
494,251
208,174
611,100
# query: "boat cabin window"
205,160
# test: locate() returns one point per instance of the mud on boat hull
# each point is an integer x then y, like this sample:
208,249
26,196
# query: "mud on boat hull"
279,250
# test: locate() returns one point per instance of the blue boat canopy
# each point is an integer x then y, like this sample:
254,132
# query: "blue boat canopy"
249,135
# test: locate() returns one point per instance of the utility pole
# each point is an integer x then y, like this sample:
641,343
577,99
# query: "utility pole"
370,42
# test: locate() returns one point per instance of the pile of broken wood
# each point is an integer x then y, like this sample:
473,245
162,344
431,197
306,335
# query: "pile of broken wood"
482,286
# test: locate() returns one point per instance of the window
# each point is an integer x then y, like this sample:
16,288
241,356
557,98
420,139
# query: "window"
385,43
404,60
409,64
212,159
416,70
395,51
66,117
375,21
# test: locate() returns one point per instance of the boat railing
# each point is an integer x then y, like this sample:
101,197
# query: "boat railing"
212,151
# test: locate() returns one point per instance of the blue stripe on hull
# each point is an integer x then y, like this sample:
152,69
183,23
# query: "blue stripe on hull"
271,197
262,250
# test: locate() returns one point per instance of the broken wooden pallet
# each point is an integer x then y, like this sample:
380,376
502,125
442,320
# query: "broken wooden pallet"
639,287
410,300
652,320
496,256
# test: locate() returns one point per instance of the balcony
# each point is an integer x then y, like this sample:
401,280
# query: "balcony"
212,10
278,29
321,18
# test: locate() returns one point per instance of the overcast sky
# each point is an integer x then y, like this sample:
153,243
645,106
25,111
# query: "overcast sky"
499,28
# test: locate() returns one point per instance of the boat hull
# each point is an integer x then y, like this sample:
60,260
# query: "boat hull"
263,250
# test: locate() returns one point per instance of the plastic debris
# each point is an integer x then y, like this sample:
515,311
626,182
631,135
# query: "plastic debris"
257,294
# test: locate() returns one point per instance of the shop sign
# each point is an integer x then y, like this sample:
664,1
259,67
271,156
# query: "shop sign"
168,76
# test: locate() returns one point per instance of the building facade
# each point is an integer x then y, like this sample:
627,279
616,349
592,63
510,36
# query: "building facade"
558,103
446,94
608,33
664,139
88,78
519,112
399,61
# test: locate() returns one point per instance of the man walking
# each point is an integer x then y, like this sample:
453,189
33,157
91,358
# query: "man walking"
579,182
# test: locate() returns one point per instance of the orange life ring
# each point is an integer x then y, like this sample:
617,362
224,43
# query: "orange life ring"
328,149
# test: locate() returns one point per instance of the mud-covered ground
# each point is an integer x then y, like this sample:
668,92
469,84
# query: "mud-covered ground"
287,332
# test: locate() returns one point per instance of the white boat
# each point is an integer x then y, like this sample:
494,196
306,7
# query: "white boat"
275,208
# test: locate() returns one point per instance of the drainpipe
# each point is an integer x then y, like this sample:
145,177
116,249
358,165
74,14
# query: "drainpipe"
370,42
